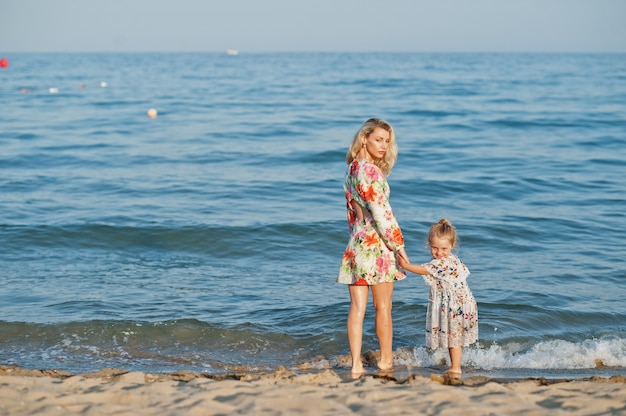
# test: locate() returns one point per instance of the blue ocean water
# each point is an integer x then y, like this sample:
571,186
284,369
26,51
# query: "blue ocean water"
209,238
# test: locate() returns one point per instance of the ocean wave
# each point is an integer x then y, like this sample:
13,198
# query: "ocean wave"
555,354
219,240
197,346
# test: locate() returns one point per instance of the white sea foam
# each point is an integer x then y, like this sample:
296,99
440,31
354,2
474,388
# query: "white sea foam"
555,354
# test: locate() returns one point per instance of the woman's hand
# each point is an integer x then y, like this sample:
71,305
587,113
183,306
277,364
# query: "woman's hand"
405,264
403,258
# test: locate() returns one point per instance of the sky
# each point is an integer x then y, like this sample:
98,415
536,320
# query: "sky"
313,25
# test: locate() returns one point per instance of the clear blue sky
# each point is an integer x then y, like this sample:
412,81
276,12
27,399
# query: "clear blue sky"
313,25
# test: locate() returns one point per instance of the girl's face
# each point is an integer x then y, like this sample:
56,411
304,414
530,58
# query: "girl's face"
377,143
440,248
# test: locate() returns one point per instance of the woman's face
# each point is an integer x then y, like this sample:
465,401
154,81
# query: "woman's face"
377,143
440,248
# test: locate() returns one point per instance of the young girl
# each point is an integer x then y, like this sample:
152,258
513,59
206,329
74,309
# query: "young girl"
452,316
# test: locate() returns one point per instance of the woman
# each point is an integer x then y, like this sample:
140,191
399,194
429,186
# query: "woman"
369,261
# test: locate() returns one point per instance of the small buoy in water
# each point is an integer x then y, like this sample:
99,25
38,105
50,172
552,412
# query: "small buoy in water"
103,84
232,52
53,90
152,113
4,62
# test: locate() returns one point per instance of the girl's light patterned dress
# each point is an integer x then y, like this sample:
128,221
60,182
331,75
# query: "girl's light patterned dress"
369,258
452,316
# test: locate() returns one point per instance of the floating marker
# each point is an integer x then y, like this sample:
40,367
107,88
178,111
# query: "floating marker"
152,113
4,62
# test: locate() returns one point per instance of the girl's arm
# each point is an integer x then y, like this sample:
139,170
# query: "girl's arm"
413,268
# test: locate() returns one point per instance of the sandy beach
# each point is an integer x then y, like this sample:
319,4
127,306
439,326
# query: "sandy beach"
119,392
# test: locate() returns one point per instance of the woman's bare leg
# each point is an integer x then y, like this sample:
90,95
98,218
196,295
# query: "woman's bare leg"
382,294
358,304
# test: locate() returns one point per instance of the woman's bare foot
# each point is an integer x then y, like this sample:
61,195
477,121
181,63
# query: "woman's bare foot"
356,376
384,366
357,369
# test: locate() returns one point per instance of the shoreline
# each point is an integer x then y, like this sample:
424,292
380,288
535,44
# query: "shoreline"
399,375
111,391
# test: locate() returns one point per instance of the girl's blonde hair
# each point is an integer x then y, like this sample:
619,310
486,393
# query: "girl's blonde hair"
386,162
443,230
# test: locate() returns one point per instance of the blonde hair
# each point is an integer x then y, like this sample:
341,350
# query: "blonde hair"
386,162
443,230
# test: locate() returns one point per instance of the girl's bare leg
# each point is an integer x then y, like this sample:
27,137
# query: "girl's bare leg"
456,354
358,304
382,294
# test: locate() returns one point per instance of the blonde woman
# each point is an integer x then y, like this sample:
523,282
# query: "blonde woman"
370,259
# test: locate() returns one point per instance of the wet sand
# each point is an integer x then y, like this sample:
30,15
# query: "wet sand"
120,392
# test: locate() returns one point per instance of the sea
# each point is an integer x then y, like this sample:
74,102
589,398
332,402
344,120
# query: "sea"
208,238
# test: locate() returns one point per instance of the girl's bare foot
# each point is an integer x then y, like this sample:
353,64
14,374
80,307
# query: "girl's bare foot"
453,373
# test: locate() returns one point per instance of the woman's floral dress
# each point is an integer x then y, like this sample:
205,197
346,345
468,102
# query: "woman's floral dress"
369,258
452,316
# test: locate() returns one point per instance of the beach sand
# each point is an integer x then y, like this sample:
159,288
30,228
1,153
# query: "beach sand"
119,392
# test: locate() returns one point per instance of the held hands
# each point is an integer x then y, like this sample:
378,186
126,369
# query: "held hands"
402,258
403,261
